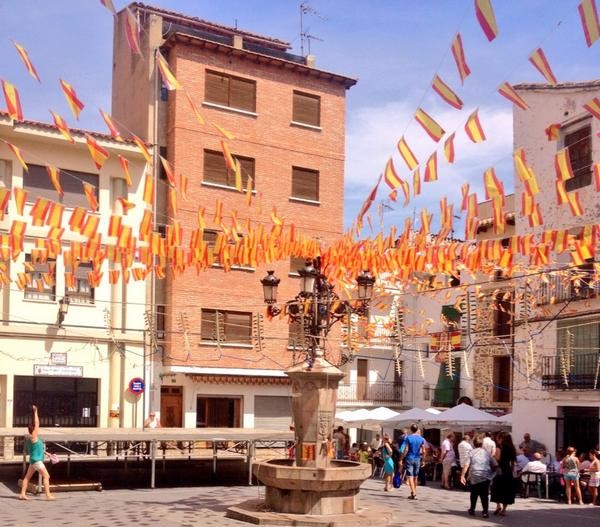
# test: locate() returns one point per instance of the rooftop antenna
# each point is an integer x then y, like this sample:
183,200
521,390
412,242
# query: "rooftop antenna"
306,9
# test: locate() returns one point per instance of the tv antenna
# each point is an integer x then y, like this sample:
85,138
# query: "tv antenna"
305,36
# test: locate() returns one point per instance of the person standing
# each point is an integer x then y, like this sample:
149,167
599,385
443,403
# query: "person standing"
414,449
340,438
480,467
489,444
448,459
594,482
35,449
388,462
570,466
464,447
503,486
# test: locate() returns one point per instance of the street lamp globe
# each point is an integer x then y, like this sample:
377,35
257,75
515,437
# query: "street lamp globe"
365,282
308,275
270,283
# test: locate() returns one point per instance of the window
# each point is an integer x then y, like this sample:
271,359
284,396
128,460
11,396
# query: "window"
210,238
305,184
162,175
501,379
229,327
296,337
503,315
580,153
43,280
215,170
82,292
37,183
297,263
160,324
230,91
306,109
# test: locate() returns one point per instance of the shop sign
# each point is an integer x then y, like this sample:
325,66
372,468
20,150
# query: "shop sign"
59,359
55,370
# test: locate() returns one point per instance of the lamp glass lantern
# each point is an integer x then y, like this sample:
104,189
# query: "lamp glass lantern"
308,275
63,308
270,283
365,281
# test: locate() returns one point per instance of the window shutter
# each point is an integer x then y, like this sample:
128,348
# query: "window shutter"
216,88
307,109
247,165
238,327
208,327
215,170
37,183
305,184
242,94
73,188
580,154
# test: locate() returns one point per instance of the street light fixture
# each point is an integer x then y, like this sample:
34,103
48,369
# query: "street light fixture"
270,283
63,309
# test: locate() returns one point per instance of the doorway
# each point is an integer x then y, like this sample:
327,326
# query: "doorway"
578,427
171,406
218,412
362,376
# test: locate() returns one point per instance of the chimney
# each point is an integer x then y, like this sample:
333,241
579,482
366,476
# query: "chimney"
238,41
311,61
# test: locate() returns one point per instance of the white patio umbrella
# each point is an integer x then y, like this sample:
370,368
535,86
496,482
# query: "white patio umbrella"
466,415
433,411
505,419
414,415
342,416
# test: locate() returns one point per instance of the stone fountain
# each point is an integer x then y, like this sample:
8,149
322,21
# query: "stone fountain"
311,489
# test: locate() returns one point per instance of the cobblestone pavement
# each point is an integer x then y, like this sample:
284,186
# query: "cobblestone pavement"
205,506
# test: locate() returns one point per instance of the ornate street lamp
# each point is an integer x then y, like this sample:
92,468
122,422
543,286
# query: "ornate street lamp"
270,283
63,309
365,282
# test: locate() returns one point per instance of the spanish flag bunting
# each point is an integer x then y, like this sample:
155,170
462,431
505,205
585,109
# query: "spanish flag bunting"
574,203
27,61
145,224
142,147
393,195
459,57
449,148
201,222
98,154
54,234
275,219
391,177
493,187
77,219
464,191
112,127
535,219
407,154
225,133
561,241
114,225
553,132
20,198
172,197
521,168
125,168
406,191
18,154
425,222
486,18
183,186
593,107
249,191
505,261
13,101
4,197
539,61
416,183
55,215
527,204
168,170
17,230
238,176
90,229
38,211
597,176
194,108
169,80
498,213
148,196
531,184
90,194
62,126
431,169
132,31
508,92
124,237
127,205
590,21
473,128
109,5
433,129
74,103
218,217
446,93
367,203
562,164
561,192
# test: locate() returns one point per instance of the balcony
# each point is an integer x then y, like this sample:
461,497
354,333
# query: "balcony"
380,392
582,372
567,286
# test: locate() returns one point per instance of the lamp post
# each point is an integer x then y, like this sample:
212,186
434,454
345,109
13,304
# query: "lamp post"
63,309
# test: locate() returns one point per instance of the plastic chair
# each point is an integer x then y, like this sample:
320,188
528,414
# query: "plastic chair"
533,479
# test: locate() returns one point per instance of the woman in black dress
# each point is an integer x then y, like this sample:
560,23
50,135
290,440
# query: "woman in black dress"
503,486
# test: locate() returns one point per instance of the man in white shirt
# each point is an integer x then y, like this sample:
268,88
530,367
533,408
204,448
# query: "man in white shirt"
536,466
464,447
376,443
448,459
489,445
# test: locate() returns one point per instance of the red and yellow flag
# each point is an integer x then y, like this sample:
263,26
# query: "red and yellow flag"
459,57
54,174
407,154
390,176
597,176
90,193
27,61
99,154
125,168
62,126
589,21
474,129
127,205
55,215
574,203
169,80
18,154
553,132
486,18
142,148
416,183
535,219
593,107
13,101
172,198
561,192
149,189
464,191
132,31
194,108
112,127
562,165
368,202
431,169
539,61
4,197
527,203
446,93
74,103
493,188
168,171
508,92
225,133
449,148
109,5
433,129
77,218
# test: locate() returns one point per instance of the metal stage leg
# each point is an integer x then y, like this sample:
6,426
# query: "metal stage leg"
214,445
68,464
153,469
24,459
249,456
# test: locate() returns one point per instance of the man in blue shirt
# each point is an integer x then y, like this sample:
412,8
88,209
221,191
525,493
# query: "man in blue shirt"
413,448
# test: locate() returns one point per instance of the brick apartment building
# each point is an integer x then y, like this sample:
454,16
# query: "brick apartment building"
288,118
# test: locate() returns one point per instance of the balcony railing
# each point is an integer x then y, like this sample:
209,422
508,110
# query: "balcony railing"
580,372
380,392
567,286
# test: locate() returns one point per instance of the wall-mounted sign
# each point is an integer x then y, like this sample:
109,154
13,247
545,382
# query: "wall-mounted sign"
58,359
53,370
136,385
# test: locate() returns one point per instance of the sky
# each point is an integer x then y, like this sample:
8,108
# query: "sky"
393,48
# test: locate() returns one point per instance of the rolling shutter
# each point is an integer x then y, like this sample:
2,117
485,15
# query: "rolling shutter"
215,170
307,109
305,184
242,94
272,412
216,89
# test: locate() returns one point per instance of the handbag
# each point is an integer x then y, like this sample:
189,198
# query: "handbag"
54,459
397,480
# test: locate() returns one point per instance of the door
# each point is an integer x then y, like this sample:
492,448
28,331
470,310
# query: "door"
171,406
579,428
218,412
362,375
